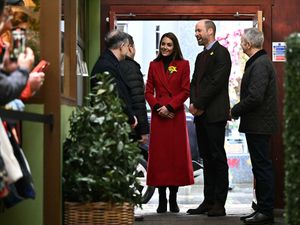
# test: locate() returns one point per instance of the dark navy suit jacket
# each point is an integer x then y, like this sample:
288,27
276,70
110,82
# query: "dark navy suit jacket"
209,85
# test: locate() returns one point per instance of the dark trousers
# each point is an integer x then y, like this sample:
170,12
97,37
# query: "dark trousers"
210,137
259,147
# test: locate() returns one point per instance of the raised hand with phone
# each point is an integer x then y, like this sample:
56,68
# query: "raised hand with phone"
35,80
18,56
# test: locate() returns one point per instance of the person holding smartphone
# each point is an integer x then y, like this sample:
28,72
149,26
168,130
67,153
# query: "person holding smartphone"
18,21
12,83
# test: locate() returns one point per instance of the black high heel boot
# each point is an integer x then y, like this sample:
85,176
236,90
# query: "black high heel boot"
173,199
162,204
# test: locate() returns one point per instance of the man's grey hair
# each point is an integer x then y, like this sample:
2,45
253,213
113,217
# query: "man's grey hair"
115,39
254,37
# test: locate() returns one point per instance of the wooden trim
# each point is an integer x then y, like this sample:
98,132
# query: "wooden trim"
184,12
112,20
259,16
70,43
183,2
50,16
194,10
68,101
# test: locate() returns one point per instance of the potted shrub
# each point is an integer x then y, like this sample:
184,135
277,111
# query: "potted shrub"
100,160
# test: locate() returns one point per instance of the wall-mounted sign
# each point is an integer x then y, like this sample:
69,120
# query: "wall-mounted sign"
278,51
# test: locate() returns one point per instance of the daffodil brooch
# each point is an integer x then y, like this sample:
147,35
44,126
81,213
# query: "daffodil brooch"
172,69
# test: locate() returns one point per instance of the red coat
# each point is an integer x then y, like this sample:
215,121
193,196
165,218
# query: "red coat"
169,162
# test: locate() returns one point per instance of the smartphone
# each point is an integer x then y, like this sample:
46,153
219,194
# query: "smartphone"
18,42
41,66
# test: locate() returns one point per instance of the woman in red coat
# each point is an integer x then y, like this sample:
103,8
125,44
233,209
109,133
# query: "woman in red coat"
167,88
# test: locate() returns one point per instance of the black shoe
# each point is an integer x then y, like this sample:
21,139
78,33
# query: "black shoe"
162,200
173,206
202,208
173,200
242,218
138,218
259,219
217,210
162,206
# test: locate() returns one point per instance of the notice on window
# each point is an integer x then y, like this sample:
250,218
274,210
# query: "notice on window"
278,51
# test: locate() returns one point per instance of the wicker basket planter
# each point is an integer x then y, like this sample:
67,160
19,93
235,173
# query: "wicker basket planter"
95,213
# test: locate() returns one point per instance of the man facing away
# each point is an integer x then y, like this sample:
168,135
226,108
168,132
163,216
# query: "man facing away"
209,103
116,50
258,112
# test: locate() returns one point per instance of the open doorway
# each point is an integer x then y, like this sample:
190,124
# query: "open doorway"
146,34
228,34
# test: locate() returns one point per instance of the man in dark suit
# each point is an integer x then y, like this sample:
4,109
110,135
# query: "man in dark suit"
116,43
258,112
209,103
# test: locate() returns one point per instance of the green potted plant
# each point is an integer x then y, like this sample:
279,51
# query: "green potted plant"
99,159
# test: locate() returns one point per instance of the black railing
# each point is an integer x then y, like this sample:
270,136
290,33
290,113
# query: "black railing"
28,116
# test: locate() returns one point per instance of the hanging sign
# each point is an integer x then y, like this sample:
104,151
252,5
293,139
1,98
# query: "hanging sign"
278,51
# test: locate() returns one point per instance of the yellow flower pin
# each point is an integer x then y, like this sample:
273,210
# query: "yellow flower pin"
172,69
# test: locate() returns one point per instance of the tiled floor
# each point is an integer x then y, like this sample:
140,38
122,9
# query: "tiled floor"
238,203
239,199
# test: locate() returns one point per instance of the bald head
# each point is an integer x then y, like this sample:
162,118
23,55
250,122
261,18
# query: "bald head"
205,31
115,39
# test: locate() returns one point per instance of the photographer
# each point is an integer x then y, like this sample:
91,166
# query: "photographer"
14,75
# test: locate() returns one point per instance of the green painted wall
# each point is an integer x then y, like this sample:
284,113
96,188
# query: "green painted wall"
93,32
65,114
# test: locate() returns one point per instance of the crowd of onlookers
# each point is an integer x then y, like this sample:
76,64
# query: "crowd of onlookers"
18,82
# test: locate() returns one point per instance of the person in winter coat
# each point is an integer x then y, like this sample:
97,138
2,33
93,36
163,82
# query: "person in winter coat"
116,50
257,110
133,76
167,88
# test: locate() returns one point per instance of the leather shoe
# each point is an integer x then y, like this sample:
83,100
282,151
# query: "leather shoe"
202,208
259,219
242,218
217,210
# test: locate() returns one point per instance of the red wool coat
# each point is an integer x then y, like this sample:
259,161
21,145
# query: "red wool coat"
169,162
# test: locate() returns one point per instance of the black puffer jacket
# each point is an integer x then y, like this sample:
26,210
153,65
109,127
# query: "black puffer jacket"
134,78
258,104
